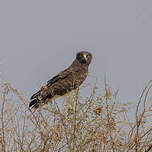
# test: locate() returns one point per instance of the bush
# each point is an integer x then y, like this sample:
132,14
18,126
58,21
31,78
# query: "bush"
92,124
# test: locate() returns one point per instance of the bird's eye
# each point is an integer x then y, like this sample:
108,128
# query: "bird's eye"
88,55
81,55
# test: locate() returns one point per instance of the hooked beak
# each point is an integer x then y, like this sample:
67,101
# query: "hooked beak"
84,59
85,56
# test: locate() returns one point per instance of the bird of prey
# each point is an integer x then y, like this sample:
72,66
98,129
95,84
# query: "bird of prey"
64,82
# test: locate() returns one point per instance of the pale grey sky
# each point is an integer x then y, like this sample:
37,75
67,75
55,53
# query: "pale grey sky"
40,38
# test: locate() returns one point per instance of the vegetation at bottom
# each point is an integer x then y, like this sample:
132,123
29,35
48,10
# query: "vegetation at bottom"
97,123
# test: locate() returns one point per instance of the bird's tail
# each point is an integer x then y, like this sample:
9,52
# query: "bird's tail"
40,97
34,103
35,100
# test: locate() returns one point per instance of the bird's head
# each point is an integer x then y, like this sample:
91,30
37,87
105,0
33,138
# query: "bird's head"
84,57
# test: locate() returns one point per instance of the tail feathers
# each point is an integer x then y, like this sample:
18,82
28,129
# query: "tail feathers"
40,97
34,103
35,95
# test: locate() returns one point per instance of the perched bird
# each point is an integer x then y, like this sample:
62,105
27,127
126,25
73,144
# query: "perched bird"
66,81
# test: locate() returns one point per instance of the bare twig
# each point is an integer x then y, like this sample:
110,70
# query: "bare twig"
139,118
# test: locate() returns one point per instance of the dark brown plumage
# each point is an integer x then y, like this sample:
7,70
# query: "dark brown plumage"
65,81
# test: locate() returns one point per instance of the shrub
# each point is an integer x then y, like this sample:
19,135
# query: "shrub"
92,124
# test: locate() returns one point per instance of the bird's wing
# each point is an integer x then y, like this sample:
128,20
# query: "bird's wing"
61,75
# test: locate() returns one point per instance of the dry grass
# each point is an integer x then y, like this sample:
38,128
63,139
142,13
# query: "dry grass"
98,123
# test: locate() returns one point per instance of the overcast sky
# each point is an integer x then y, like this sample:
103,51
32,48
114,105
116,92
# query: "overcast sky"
38,39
